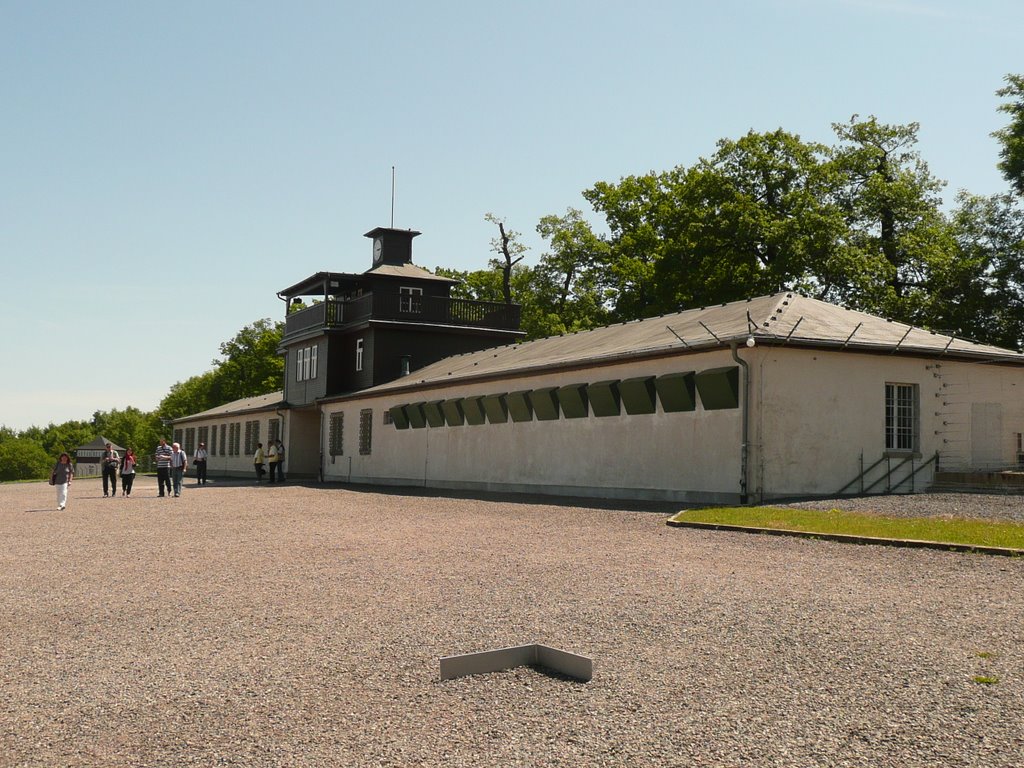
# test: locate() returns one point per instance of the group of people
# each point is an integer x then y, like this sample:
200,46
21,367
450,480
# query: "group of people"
171,465
274,456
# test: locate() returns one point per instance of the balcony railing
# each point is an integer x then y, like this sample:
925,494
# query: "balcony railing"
405,308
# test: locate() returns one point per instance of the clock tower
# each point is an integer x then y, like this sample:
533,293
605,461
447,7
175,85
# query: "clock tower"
391,246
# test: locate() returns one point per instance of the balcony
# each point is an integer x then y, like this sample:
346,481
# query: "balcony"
430,310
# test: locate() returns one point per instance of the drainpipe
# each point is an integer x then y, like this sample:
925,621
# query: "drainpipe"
744,407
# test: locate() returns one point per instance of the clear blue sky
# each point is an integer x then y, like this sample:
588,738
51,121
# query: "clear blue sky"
168,167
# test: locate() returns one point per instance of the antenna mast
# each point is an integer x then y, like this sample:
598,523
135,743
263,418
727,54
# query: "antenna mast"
392,197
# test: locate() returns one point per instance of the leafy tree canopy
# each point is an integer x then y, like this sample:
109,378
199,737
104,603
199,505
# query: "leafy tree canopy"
1011,137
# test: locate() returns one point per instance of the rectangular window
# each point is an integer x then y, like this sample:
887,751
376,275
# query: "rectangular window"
365,431
307,361
273,430
223,439
204,436
177,437
387,416
410,299
359,354
190,441
901,418
212,446
312,365
236,439
300,355
336,444
252,436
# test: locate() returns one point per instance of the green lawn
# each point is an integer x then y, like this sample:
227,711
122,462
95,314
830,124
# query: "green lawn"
979,533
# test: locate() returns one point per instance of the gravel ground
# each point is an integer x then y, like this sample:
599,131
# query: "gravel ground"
1004,507
302,626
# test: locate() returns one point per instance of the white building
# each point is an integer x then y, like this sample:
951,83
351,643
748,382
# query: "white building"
775,397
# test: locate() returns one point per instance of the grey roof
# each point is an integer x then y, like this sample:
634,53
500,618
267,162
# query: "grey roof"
781,318
244,405
407,270
99,443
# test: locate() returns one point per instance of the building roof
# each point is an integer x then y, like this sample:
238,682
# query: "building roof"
407,270
244,405
99,443
779,319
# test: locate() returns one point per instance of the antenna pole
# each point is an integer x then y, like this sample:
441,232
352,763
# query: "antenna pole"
392,197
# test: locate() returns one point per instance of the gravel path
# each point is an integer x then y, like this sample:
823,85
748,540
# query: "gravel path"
302,626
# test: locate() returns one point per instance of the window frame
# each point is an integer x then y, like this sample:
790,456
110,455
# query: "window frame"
902,419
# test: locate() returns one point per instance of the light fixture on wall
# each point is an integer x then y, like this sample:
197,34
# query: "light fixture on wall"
751,341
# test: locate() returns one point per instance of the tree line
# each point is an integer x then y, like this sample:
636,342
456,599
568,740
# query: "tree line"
859,222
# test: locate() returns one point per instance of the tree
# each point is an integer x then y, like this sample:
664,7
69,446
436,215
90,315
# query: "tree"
511,250
1011,137
24,459
897,236
194,395
251,364
984,298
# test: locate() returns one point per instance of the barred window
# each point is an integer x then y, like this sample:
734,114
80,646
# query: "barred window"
204,437
223,438
273,430
177,437
190,441
335,439
365,431
901,418
252,436
236,439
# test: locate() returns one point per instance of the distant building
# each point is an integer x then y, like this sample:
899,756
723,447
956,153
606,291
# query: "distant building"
88,457
778,396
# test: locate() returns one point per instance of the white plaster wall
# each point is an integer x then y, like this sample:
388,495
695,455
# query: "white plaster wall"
815,412
691,455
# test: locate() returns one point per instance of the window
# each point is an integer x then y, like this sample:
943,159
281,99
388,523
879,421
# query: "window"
336,446
190,441
359,354
223,438
387,417
273,430
212,444
365,431
305,363
177,437
901,418
410,299
204,437
235,439
252,436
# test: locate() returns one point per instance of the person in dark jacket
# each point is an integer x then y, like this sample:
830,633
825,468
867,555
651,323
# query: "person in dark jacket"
61,478
110,462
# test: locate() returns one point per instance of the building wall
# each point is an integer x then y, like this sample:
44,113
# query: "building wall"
818,419
223,462
686,456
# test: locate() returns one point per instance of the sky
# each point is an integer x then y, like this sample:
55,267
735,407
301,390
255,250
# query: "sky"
167,168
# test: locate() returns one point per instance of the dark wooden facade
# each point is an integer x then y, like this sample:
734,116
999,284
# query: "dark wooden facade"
354,331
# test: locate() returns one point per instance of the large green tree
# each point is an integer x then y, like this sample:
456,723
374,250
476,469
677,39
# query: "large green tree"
24,459
1011,137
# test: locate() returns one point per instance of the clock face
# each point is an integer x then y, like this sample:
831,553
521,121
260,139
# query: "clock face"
378,247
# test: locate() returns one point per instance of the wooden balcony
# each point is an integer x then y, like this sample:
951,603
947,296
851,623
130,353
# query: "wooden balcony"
430,310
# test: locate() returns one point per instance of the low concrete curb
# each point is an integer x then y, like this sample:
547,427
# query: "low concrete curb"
570,664
848,539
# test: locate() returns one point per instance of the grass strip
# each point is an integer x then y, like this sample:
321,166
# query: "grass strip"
971,532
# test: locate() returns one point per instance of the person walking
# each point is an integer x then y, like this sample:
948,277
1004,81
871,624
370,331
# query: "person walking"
257,462
110,462
128,471
61,478
163,466
272,459
199,460
179,463
280,461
